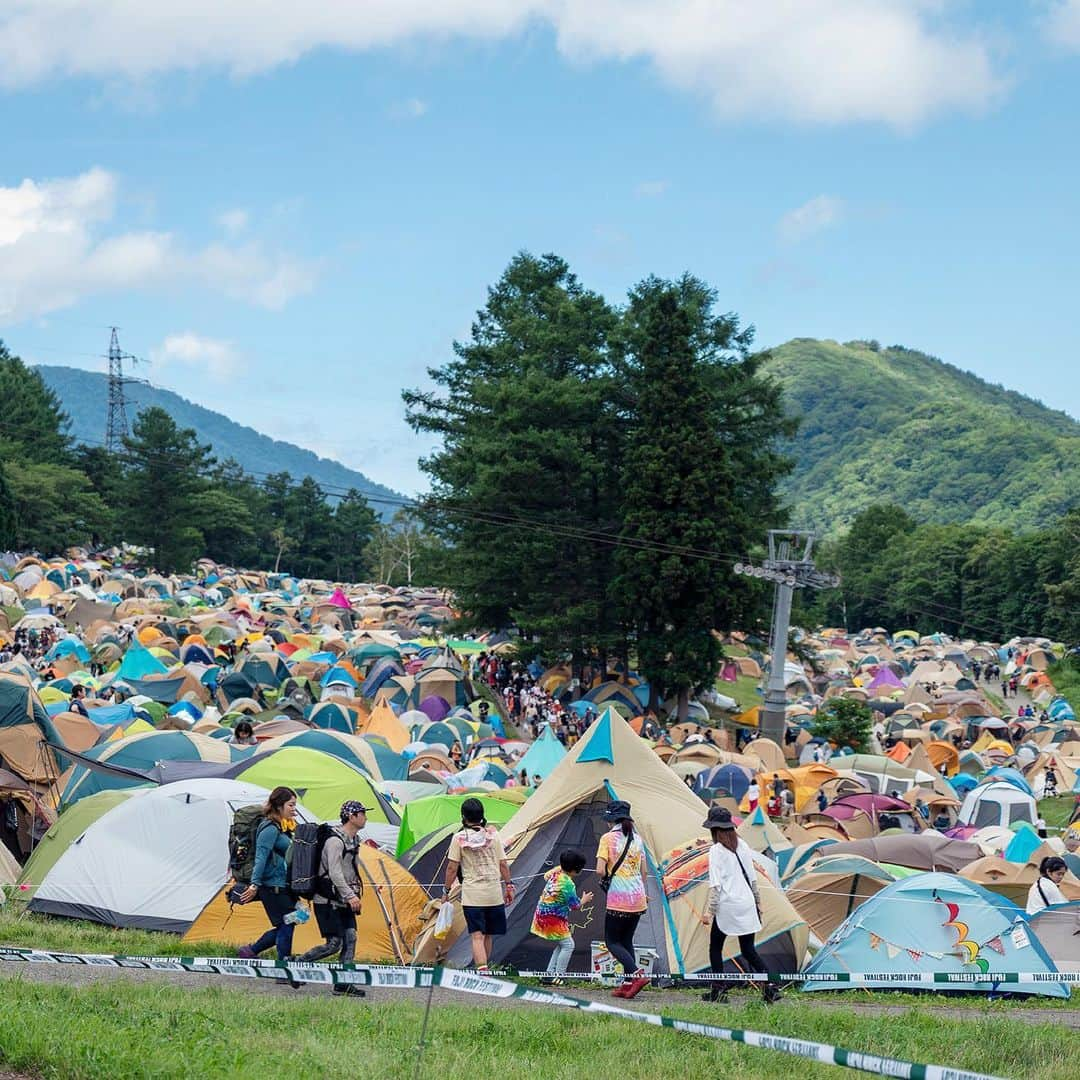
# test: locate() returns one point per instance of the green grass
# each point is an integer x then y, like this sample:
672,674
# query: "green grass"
1056,812
73,935
743,690
121,1030
1065,675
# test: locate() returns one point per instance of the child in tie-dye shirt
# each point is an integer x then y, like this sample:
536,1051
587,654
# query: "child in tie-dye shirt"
552,918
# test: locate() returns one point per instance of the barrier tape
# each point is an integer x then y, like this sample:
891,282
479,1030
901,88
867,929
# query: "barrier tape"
466,982
901,978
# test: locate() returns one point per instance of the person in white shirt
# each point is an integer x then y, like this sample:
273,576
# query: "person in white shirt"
734,902
1047,891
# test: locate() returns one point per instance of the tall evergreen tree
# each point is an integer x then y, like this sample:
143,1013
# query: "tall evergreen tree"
698,474
353,527
164,482
529,459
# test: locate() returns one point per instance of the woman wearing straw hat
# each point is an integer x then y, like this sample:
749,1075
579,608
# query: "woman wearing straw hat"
619,862
734,904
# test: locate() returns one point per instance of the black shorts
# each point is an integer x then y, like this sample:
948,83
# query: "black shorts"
333,920
485,920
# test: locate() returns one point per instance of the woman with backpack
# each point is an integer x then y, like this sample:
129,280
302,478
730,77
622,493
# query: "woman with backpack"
619,862
734,904
270,876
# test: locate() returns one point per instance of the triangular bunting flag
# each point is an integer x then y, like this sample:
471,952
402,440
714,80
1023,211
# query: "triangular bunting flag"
892,950
997,945
875,941
915,954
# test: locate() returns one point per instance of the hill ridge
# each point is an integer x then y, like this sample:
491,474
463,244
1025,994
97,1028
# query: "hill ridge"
84,394
893,424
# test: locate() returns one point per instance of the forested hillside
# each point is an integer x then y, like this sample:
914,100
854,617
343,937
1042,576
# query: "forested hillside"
83,396
892,425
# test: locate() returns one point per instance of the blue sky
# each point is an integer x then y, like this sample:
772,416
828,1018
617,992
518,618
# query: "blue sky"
292,214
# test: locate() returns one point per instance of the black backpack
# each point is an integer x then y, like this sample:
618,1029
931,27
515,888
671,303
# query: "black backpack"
246,823
305,868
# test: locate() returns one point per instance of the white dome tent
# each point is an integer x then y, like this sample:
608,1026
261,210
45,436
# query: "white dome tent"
154,861
997,803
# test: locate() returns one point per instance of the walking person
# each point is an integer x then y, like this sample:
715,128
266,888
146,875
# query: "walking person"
552,919
734,903
485,880
340,892
619,862
270,876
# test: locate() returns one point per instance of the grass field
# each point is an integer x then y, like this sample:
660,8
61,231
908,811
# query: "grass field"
1056,812
119,1030
71,935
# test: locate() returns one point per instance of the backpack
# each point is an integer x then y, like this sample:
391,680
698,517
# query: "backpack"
305,868
246,823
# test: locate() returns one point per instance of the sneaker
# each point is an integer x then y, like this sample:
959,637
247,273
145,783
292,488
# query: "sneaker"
246,952
771,993
638,984
349,990
620,990
716,994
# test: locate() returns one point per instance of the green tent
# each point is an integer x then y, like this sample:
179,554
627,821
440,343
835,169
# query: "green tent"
423,816
67,828
322,781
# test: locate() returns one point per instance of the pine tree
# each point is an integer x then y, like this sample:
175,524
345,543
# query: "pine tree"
529,458
164,482
698,474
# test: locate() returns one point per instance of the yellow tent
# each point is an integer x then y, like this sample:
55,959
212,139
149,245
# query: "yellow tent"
384,723
385,928
803,781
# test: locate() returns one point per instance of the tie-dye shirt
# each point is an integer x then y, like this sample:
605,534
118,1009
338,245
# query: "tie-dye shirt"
559,898
627,892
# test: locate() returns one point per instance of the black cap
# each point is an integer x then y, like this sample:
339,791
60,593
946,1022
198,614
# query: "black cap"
617,810
719,818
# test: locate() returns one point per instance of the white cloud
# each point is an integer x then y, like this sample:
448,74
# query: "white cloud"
191,351
832,61
1062,23
59,243
409,109
651,189
814,216
234,221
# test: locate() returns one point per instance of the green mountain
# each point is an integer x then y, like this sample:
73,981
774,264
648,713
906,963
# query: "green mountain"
84,396
895,425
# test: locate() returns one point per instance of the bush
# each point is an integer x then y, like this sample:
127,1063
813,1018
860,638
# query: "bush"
845,722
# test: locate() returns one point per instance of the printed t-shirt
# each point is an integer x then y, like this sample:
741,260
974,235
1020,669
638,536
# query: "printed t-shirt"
558,899
627,892
479,852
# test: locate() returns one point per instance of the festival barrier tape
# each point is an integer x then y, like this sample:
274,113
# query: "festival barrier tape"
466,982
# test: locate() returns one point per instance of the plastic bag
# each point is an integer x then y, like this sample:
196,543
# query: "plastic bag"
444,920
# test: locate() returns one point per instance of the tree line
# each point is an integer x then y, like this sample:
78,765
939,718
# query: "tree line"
166,492
984,583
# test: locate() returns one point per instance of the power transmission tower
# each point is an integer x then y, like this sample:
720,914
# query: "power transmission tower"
791,567
116,426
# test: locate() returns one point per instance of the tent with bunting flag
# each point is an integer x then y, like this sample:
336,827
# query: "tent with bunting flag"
931,923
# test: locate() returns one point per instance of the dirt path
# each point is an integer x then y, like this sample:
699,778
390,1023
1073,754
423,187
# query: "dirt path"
666,1002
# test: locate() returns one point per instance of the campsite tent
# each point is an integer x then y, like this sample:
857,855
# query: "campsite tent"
935,923
423,816
1058,930
152,861
997,803
542,757
24,728
611,762
827,891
